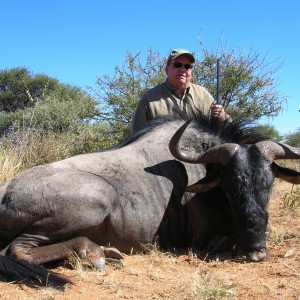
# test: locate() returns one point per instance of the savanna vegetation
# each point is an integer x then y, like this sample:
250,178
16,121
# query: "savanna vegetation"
43,120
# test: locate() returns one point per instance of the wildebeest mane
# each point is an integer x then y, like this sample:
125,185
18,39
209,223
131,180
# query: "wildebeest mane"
240,130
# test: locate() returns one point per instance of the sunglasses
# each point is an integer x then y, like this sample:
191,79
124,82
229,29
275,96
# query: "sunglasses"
178,65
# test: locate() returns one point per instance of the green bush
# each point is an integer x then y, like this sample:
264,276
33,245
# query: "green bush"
66,109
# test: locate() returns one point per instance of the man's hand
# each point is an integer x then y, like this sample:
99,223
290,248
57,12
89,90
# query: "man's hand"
217,111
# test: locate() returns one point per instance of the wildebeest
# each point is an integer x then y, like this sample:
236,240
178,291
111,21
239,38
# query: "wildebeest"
137,193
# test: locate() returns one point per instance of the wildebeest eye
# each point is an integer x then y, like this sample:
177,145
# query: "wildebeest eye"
205,145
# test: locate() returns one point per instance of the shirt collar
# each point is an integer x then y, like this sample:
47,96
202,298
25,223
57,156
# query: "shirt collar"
174,91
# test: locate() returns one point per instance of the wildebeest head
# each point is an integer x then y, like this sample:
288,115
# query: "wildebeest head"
245,174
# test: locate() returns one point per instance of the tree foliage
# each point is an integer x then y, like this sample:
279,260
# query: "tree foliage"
248,85
118,95
271,132
20,89
57,109
293,139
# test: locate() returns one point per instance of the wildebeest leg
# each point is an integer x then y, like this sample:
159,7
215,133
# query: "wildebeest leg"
48,253
112,255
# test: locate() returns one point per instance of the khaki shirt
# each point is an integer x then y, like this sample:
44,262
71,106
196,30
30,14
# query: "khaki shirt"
161,99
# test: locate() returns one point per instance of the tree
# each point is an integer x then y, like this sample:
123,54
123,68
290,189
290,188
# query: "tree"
119,94
270,132
293,139
248,86
20,89
42,102
65,109
247,83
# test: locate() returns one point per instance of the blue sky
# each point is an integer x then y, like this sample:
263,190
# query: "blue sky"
76,41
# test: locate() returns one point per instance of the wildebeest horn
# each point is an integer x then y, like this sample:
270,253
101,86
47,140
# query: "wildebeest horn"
218,154
272,151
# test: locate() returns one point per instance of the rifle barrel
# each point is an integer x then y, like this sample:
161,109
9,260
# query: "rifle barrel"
218,82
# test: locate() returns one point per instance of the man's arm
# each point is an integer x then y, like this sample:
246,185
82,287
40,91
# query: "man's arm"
141,116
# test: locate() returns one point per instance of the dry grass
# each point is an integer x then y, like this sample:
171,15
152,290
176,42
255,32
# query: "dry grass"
26,148
22,150
10,163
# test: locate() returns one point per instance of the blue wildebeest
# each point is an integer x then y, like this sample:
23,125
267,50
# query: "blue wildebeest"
133,194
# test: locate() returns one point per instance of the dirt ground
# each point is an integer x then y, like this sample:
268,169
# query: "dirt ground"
165,276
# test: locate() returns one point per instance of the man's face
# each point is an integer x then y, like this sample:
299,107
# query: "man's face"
179,77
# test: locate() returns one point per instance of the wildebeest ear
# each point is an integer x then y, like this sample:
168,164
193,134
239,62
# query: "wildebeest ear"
286,174
205,184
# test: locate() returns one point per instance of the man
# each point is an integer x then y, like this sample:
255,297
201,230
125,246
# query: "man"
177,91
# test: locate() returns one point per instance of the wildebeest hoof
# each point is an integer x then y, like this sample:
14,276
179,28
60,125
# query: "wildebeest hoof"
255,255
82,253
99,263
112,253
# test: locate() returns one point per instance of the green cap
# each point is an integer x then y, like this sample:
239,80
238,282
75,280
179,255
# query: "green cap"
178,52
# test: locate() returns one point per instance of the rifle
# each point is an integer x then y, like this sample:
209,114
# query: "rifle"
218,82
